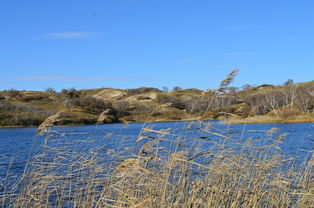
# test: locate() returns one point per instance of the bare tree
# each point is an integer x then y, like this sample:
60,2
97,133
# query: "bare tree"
289,82
50,90
176,88
247,87
304,101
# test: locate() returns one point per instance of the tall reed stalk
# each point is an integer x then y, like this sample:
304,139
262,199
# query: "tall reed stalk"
198,165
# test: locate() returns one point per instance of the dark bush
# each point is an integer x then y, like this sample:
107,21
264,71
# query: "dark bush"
142,90
71,93
178,103
50,90
176,88
90,104
122,108
174,101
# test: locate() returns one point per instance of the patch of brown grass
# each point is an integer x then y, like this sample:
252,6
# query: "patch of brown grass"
300,118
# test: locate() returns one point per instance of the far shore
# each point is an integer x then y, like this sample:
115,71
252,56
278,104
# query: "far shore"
306,118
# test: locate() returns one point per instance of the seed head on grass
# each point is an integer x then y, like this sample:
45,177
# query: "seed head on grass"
228,79
48,123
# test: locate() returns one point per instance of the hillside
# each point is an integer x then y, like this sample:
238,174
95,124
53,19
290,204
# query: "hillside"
265,103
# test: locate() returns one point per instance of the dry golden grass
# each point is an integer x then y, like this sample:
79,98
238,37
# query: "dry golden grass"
301,118
182,173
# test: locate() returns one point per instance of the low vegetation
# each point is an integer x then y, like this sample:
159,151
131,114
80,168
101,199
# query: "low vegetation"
274,103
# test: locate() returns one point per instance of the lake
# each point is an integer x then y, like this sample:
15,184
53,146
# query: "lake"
18,145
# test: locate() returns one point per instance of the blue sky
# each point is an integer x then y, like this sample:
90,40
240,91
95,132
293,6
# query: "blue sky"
134,43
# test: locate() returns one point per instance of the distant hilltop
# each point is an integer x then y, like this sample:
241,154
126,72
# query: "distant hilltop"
265,103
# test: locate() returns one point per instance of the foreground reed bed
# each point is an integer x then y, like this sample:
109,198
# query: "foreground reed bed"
197,165
194,165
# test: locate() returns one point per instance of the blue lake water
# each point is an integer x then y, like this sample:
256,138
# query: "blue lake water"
18,145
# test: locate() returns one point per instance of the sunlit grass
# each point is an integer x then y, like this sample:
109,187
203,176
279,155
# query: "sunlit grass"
301,118
165,168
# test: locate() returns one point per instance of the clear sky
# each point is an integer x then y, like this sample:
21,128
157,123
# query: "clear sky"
134,43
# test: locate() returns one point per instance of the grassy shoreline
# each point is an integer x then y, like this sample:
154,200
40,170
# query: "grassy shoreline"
306,118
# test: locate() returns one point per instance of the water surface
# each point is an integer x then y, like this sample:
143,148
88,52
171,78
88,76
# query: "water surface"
18,145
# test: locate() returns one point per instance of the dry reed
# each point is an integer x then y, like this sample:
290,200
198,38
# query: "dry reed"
166,168
164,172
